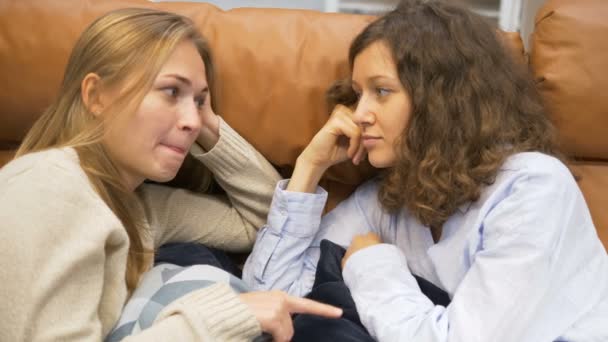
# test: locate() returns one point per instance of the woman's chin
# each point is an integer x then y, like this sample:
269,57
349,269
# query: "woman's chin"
380,163
163,175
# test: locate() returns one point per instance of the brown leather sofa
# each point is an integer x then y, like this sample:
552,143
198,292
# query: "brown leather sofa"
273,67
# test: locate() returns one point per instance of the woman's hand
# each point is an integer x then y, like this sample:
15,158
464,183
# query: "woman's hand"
360,242
210,129
273,311
338,140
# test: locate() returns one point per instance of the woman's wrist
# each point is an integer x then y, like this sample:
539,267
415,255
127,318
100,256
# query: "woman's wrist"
210,134
306,175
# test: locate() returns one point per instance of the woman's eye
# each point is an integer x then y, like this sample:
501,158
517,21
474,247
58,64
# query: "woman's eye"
200,102
382,91
171,91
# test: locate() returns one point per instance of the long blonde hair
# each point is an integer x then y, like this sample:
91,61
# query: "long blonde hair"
125,48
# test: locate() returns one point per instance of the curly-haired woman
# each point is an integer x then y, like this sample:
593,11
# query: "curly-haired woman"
473,196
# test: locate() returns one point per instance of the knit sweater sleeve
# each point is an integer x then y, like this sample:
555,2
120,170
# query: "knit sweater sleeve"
64,259
214,313
228,222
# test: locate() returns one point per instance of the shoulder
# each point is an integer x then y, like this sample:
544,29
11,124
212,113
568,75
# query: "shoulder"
536,172
50,175
54,162
532,192
47,194
536,164
528,185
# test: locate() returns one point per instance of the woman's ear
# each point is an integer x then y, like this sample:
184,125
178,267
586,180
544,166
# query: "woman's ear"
90,91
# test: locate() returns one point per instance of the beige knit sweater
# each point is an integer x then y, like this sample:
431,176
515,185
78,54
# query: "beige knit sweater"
63,254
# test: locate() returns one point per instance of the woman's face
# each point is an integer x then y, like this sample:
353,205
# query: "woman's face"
153,142
384,106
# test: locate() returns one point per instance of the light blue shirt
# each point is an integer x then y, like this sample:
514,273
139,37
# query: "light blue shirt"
523,263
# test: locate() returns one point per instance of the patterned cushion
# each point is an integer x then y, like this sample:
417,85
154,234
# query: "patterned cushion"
162,285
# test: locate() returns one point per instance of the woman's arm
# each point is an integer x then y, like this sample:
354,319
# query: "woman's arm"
64,257
536,271
287,249
226,221
286,252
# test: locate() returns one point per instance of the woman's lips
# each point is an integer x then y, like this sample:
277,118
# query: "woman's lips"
370,141
176,149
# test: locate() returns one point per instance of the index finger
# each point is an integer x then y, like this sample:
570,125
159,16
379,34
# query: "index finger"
359,155
308,306
342,109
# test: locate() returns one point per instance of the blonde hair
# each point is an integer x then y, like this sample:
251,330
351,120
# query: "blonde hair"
125,48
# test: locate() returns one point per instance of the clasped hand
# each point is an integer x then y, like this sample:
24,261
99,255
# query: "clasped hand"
360,242
338,140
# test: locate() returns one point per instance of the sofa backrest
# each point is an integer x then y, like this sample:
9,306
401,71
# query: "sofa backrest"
273,67
569,59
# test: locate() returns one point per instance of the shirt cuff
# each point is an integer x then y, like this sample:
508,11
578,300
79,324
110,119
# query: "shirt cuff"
373,259
229,155
296,213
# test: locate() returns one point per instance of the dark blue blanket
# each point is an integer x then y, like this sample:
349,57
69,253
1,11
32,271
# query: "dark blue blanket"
329,287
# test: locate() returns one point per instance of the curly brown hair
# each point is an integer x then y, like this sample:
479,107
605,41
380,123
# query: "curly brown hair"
473,106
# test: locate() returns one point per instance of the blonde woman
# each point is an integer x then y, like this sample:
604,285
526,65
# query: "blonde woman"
79,228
